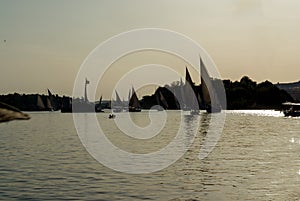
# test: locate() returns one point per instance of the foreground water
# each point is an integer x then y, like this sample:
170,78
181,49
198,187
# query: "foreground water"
256,158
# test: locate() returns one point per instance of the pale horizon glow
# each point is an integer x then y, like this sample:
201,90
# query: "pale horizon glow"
43,43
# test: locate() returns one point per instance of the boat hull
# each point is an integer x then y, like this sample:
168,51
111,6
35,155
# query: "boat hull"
195,112
210,109
117,110
135,110
292,114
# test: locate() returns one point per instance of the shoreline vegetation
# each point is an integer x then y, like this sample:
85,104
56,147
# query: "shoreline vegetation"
243,94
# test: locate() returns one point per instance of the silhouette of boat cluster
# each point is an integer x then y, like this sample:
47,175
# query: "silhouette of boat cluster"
188,96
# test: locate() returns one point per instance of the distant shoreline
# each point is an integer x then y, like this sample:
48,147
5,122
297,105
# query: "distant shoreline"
241,95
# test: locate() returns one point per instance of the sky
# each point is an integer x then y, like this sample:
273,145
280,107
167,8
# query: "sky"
44,43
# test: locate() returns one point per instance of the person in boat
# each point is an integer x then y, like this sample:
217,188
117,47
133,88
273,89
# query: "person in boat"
111,116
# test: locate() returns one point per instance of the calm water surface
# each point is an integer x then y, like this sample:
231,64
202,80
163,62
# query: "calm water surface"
257,158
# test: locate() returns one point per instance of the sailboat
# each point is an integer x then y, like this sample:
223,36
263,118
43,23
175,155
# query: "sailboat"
191,102
134,104
126,104
51,103
98,107
157,106
163,100
194,106
81,105
188,91
39,103
118,104
160,101
182,95
291,109
207,86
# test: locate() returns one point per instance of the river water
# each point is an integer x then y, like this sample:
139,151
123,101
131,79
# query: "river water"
257,157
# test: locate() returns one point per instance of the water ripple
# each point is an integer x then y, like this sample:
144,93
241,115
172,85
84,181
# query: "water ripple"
256,158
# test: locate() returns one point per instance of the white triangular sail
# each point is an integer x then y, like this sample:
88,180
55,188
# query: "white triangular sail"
117,104
118,101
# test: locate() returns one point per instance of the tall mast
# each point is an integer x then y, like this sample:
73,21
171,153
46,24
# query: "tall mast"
85,90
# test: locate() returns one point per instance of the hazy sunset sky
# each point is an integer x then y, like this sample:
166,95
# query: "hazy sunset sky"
44,42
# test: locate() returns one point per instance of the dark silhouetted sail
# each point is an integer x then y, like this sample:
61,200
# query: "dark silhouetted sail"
163,100
210,98
98,107
191,102
49,105
134,104
51,102
204,79
188,78
157,98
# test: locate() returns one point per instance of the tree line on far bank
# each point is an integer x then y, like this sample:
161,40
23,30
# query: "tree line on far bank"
247,94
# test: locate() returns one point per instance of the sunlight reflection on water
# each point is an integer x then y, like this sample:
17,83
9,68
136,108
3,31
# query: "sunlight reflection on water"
270,113
256,158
